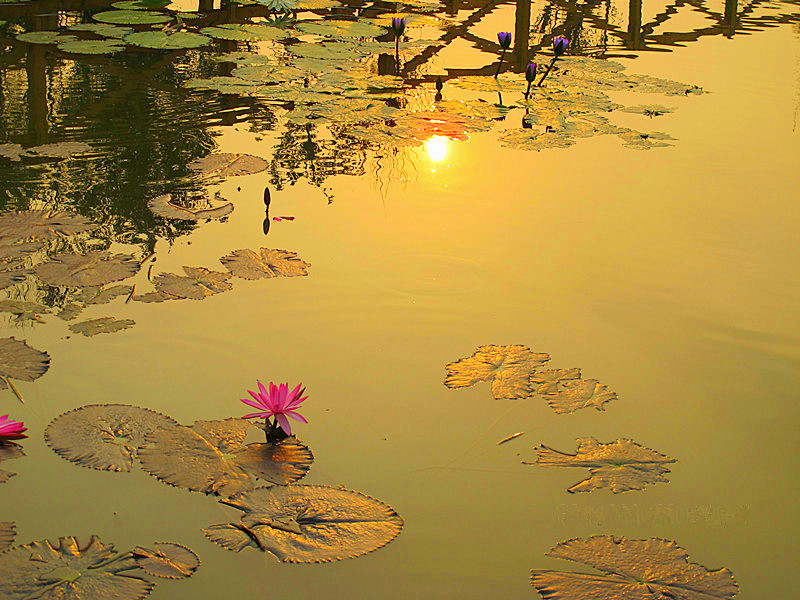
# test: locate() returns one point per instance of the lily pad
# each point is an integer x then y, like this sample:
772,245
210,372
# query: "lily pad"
635,569
229,165
622,465
210,457
58,149
131,17
168,560
199,283
93,268
307,523
140,4
244,32
70,311
638,140
9,451
92,46
102,29
20,361
161,40
101,325
97,295
12,255
339,28
8,531
68,570
572,395
44,37
9,278
167,206
106,437
546,381
265,263
508,367
41,224
23,310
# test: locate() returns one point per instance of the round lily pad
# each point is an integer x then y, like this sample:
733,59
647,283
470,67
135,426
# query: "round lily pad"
339,28
92,46
102,29
199,283
171,207
168,560
106,437
101,325
307,523
41,224
93,268
265,264
44,37
247,32
161,40
20,361
131,17
140,4
228,165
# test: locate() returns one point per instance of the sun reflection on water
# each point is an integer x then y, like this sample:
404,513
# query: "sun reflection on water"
436,147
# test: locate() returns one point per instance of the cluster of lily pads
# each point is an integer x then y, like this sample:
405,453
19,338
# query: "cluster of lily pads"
630,567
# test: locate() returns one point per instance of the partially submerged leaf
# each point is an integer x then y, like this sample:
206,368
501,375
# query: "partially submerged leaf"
265,263
101,325
622,465
41,224
106,437
69,570
508,367
166,205
168,560
210,457
651,569
20,361
572,395
199,283
9,451
93,268
8,530
229,165
307,523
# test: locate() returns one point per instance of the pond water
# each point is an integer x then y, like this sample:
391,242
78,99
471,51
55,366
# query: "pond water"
636,218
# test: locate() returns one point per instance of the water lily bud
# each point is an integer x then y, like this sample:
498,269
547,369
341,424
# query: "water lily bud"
504,37
560,44
398,26
530,72
439,84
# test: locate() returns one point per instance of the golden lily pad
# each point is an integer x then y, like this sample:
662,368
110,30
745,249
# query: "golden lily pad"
91,269
97,295
264,264
22,310
168,560
8,531
9,278
12,255
307,523
41,224
20,361
546,381
70,311
229,165
101,325
167,206
199,283
9,451
572,395
106,437
651,569
210,457
508,367
69,570
621,466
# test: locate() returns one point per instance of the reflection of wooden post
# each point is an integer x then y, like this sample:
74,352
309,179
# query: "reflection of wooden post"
730,18
522,33
205,5
635,25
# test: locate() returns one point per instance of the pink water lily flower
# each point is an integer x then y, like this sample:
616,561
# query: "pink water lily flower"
277,402
11,430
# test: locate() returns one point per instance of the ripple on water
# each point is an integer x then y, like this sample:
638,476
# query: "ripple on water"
428,274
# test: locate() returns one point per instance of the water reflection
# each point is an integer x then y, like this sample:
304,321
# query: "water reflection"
436,147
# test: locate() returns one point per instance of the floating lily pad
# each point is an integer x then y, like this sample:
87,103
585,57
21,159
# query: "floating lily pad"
58,149
265,263
9,278
338,28
622,465
101,325
12,152
210,457
9,451
102,29
92,46
41,224
648,110
635,569
70,311
8,531
162,40
68,570
228,165
106,437
168,560
244,32
572,395
279,5
23,310
151,297
546,381
316,4
141,4
166,205
199,283
508,367
97,295
645,141
307,523
20,361
44,37
13,255
131,17
266,73
93,268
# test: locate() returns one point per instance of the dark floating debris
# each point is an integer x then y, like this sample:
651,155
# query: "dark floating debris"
621,466
264,264
640,569
307,523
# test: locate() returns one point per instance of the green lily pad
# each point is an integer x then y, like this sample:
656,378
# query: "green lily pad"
141,4
20,361
102,29
101,325
44,37
161,40
341,29
131,17
92,46
248,32
41,224
508,367
265,264
263,74
8,531
168,560
93,268
307,523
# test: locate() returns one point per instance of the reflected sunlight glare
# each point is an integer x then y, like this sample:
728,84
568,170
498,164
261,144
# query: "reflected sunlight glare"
436,147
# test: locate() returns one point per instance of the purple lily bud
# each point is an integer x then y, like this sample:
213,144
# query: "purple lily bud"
398,26
530,72
560,44
504,37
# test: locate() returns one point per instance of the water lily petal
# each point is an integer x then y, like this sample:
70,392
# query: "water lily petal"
259,415
295,416
251,403
284,423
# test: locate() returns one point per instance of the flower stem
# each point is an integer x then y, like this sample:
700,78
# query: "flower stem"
546,73
528,91
397,53
500,64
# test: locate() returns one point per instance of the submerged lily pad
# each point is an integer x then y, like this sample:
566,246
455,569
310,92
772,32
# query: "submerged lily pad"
68,570
338,28
101,325
166,206
8,531
622,465
41,224
93,268
168,560
106,437
199,283
508,367
244,32
265,263
572,395
9,451
229,165
162,40
307,523
92,46
210,457
20,361
131,17
635,569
